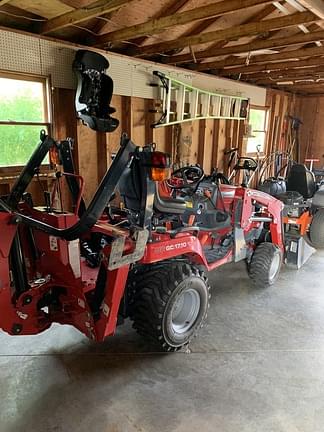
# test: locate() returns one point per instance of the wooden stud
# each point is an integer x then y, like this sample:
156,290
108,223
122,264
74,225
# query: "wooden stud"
149,119
215,144
201,142
127,115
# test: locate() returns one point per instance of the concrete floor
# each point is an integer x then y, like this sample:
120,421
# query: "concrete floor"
257,366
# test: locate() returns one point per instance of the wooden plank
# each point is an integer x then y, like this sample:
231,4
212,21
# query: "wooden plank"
76,16
271,102
265,58
216,47
47,9
201,142
292,64
208,147
126,115
228,33
221,165
113,138
139,115
316,6
169,8
102,154
88,160
148,119
215,144
286,74
64,119
254,46
154,26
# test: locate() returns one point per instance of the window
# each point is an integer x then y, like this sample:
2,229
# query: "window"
24,111
258,130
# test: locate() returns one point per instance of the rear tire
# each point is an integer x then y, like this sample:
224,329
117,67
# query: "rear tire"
316,230
169,304
265,265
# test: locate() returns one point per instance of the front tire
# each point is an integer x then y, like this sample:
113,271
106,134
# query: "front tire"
265,265
316,230
169,304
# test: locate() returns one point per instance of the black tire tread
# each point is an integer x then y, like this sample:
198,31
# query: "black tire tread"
151,289
316,230
260,264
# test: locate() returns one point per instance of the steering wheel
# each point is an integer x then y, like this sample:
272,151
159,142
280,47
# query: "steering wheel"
186,177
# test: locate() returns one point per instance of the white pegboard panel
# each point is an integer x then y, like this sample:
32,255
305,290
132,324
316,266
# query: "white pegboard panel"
30,54
121,73
19,53
57,61
257,95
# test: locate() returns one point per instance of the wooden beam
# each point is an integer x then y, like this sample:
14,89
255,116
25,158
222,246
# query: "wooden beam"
169,8
154,26
310,85
265,58
229,33
218,46
74,17
272,66
256,45
282,80
286,72
316,6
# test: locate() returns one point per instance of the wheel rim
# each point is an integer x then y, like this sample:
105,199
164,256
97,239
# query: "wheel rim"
274,266
185,311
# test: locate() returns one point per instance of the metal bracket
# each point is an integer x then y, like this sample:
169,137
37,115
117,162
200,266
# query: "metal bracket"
117,259
240,245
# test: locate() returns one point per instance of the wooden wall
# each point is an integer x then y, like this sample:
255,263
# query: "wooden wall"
202,141
282,108
310,109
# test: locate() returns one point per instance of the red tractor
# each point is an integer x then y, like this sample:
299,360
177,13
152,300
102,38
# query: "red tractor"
142,259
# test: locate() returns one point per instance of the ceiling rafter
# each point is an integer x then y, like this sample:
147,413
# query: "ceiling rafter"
287,64
229,33
83,14
256,45
264,58
218,46
157,25
170,8
286,72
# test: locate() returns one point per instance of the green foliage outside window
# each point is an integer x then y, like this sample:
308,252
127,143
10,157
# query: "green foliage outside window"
20,101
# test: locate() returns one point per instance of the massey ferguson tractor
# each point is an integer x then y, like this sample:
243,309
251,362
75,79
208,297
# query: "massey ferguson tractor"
135,251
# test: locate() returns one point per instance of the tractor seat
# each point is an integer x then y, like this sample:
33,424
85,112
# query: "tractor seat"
164,204
94,91
301,180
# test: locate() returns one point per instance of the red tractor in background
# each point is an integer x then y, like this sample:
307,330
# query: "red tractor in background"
143,259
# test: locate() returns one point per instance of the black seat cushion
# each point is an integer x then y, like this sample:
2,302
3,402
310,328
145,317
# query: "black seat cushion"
94,91
301,180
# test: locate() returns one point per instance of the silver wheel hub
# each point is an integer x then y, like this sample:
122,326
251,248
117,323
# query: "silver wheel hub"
274,266
185,311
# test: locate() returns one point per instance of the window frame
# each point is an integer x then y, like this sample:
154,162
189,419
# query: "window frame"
48,113
265,109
